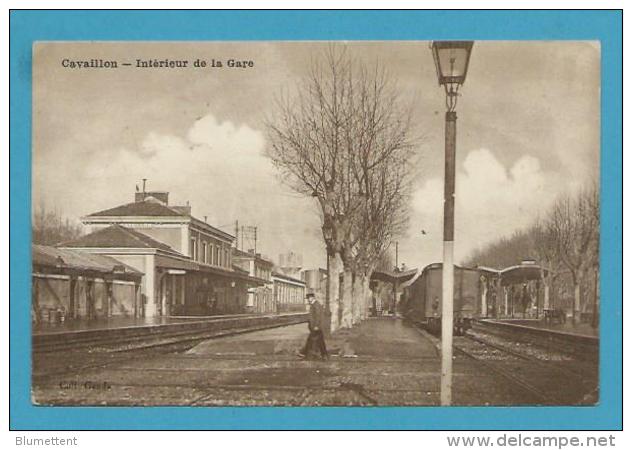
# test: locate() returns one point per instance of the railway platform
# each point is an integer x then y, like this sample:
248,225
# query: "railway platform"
581,329
382,361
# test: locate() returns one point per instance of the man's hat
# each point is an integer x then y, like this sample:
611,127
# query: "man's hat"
310,294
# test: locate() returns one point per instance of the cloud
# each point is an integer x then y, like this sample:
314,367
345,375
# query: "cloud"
491,201
217,166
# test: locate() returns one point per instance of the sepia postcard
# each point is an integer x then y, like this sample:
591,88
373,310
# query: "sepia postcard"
316,223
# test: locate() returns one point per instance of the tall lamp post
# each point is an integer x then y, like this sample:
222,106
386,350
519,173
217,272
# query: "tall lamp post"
451,60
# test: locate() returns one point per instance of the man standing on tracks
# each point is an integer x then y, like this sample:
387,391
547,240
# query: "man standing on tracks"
315,346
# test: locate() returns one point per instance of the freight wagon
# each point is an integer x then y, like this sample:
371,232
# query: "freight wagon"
422,298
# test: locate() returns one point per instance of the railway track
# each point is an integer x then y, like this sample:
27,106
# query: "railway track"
105,351
158,336
580,347
547,381
538,393
528,357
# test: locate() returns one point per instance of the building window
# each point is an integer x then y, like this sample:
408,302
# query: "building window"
193,249
204,252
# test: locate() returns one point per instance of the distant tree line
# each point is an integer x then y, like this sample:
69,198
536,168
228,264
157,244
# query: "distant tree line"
50,227
565,243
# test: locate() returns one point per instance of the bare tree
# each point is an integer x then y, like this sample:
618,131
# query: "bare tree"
504,252
565,241
546,250
49,227
574,225
385,261
383,218
345,140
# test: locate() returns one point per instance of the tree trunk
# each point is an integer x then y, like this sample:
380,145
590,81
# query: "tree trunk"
484,297
366,296
354,294
577,302
545,278
595,310
359,299
553,292
335,266
346,317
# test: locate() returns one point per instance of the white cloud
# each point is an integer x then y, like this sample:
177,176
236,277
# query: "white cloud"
219,167
491,201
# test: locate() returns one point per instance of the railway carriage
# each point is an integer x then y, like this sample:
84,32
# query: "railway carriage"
422,298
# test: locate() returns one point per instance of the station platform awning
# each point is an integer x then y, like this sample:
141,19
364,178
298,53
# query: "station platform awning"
520,273
56,261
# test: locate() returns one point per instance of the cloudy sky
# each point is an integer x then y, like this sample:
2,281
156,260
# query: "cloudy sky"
528,131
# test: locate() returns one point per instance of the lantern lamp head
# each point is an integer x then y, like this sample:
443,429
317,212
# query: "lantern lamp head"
451,59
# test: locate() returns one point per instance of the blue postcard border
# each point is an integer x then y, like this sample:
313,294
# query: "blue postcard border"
30,26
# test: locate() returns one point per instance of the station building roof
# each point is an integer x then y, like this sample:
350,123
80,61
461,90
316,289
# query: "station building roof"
52,259
117,236
144,208
151,207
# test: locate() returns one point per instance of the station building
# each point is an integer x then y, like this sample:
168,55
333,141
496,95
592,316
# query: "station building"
186,262
282,293
289,293
260,298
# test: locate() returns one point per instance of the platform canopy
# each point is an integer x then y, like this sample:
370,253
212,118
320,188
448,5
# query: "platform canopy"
52,260
521,273
393,276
